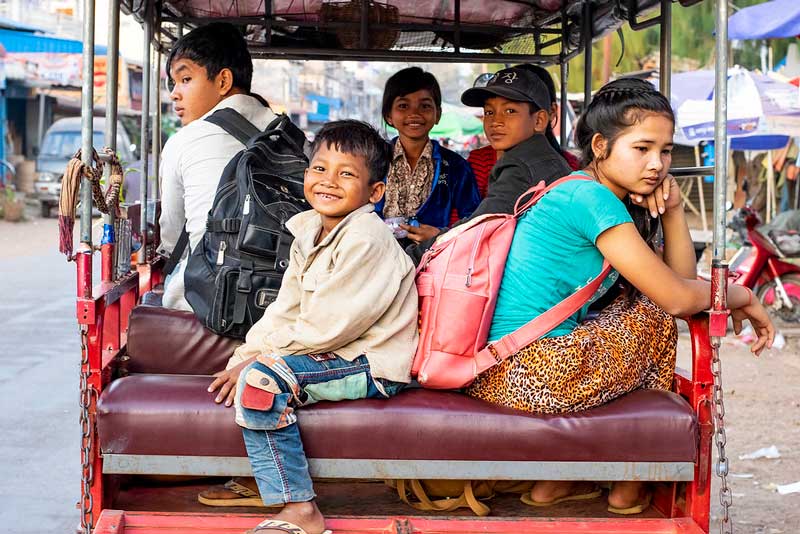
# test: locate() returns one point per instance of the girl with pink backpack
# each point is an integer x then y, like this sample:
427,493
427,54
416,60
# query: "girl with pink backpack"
562,242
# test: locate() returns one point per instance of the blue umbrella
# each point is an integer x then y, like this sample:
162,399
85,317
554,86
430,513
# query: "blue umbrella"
771,20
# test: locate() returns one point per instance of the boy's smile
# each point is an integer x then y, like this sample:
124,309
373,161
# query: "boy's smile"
336,184
507,123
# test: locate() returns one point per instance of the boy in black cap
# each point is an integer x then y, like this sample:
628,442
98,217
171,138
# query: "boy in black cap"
516,108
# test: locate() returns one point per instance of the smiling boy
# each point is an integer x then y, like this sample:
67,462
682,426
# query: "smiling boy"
344,324
208,69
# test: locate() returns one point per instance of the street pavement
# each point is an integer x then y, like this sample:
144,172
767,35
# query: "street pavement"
39,364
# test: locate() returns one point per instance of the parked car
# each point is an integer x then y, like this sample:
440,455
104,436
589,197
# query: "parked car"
60,143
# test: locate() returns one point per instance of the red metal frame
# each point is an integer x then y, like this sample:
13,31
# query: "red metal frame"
103,313
116,522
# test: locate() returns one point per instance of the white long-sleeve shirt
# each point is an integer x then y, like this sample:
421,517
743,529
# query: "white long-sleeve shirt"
191,165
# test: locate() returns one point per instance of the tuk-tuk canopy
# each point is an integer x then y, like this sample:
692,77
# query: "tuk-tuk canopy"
545,31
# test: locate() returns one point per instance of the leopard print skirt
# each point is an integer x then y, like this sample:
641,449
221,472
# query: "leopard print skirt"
625,348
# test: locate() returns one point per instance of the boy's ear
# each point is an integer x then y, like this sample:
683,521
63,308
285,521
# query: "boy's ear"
378,189
224,81
541,121
599,146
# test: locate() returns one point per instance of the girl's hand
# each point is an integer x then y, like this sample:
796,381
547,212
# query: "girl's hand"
666,196
420,233
760,321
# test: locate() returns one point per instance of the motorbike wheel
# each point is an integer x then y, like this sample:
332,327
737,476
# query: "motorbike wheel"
769,298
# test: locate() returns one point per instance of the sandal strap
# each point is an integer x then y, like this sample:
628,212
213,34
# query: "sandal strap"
240,489
275,524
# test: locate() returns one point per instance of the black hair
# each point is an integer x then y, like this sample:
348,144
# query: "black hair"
216,46
547,80
359,139
407,81
617,106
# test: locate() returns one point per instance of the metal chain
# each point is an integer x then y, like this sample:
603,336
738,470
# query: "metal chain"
722,466
87,439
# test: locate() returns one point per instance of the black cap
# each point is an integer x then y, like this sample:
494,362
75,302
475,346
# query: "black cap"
515,84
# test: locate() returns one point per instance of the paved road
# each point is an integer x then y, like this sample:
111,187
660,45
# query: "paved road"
39,356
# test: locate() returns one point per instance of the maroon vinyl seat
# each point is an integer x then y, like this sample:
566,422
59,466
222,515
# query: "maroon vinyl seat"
163,408
175,415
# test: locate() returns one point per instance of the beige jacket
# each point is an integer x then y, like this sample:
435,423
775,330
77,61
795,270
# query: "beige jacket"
352,294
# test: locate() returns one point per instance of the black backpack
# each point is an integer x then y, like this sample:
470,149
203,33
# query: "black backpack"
235,272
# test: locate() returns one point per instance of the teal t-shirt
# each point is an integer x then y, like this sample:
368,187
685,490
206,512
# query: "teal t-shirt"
553,253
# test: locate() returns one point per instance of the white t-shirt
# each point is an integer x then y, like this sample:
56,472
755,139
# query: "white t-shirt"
191,165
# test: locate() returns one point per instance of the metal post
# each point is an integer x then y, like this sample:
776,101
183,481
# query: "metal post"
42,108
562,109
148,42
156,84
87,123
564,74
112,80
665,60
720,130
587,54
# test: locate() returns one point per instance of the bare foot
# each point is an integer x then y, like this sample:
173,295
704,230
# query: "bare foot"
545,491
305,515
625,494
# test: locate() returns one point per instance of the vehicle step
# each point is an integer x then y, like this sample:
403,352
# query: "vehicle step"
121,522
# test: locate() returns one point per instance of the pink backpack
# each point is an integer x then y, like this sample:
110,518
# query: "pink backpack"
458,280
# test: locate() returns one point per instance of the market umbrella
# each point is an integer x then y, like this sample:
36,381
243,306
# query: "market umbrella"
762,112
771,20
456,122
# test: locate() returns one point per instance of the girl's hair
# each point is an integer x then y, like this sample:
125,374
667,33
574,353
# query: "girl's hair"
543,75
407,81
617,106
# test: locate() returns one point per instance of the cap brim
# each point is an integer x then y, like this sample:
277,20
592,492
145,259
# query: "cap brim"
476,96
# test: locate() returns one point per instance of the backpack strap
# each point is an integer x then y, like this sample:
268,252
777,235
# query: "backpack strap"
234,123
539,190
177,252
522,337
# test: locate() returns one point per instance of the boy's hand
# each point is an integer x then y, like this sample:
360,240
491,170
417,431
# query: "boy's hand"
225,382
420,233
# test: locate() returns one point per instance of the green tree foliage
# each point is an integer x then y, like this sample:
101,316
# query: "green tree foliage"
692,39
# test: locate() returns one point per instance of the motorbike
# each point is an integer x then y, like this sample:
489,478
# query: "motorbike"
763,262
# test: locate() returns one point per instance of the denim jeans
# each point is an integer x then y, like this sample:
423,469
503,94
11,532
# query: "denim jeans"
268,391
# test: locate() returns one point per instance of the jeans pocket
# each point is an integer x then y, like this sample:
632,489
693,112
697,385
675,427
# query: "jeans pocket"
346,388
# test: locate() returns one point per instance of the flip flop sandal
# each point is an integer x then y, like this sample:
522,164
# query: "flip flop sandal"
596,492
281,526
240,495
637,508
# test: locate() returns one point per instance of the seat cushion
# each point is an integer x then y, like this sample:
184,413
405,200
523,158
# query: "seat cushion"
176,415
165,341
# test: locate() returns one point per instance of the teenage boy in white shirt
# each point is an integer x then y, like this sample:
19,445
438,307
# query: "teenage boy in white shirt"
208,69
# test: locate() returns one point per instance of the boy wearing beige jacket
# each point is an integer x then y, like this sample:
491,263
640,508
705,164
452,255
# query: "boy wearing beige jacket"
344,324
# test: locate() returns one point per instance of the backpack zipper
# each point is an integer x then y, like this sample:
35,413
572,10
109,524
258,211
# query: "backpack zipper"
246,209
473,255
221,253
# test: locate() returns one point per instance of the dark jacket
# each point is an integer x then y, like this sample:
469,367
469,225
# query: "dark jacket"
453,188
518,170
